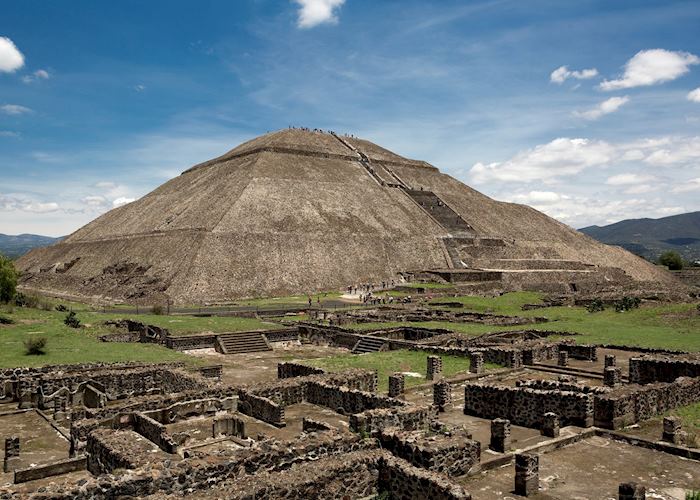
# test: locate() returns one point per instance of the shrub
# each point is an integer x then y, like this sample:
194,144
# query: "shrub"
5,321
596,305
61,308
35,345
627,304
72,320
8,280
692,495
672,260
157,309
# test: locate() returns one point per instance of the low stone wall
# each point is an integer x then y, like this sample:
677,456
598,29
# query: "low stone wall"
154,431
649,369
402,480
190,342
558,385
580,351
50,470
347,401
409,417
288,370
526,407
328,335
261,408
630,404
453,455
108,450
282,335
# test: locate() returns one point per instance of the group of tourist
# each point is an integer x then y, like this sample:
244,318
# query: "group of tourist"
317,130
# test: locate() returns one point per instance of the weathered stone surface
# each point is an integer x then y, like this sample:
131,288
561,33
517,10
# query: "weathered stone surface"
527,474
397,384
550,425
500,435
631,491
612,376
434,368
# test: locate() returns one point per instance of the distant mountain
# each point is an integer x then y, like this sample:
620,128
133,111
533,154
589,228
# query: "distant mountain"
16,246
650,237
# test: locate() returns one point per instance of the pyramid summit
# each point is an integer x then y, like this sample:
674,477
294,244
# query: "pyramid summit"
298,211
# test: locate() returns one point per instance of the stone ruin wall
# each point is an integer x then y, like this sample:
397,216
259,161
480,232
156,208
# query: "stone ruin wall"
289,370
525,406
649,369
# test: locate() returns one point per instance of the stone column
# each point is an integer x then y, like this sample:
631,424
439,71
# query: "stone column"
500,435
515,359
612,376
529,357
397,385
476,364
631,491
434,371
563,359
550,425
610,360
527,474
11,461
442,395
672,430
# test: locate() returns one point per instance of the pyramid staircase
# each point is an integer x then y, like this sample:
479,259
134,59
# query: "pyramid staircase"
242,342
368,344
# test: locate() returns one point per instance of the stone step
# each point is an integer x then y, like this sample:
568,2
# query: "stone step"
366,344
242,342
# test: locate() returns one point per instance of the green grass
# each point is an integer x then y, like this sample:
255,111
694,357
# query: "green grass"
183,325
690,415
670,326
289,300
389,362
68,345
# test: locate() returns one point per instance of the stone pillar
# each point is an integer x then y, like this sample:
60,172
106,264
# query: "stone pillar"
11,461
612,376
515,359
434,371
500,435
476,364
672,430
610,360
563,359
527,474
442,395
397,385
529,357
550,425
631,491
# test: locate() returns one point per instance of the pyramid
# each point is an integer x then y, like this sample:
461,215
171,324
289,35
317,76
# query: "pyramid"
299,211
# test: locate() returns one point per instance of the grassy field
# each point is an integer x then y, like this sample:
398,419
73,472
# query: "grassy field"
69,345
672,326
389,362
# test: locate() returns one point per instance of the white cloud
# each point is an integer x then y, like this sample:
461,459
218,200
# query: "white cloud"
95,201
567,157
11,59
630,178
14,109
139,88
604,108
123,200
535,197
560,157
10,203
9,133
688,186
641,189
651,67
315,12
562,73
40,74
694,95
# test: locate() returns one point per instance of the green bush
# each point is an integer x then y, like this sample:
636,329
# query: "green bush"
5,321
72,320
627,304
692,495
157,309
596,305
35,345
8,280
672,260
61,308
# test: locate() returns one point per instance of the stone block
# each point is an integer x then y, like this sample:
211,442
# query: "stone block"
442,395
227,425
434,368
527,474
610,360
550,425
563,359
631,491
672,430
476,362
500,435
612,376
11,461
397,385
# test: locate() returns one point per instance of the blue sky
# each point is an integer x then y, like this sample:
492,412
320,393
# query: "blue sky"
586,110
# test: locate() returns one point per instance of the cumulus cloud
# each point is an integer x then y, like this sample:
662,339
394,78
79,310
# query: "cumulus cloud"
11,203
122,200
694,95
629,178
604,108
566,157
40,74
562,73
11,59
651,67
688,186
560,157
315,12
14,109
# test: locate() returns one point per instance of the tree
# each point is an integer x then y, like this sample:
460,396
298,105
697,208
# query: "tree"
8,279
671,260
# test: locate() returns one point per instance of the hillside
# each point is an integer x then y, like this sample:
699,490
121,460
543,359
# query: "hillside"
650,237
16,246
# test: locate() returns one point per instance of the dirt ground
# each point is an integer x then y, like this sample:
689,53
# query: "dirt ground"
592,469
242,369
